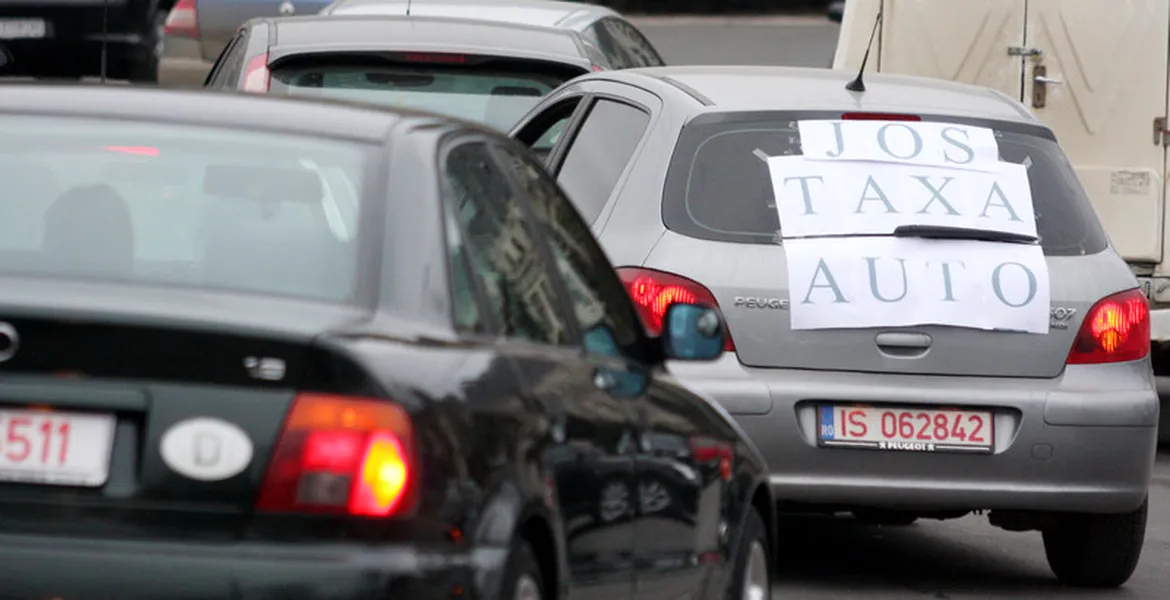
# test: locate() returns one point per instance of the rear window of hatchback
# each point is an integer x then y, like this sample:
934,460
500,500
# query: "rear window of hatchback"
718,186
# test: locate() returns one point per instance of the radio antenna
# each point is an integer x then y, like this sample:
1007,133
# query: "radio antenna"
408,7
858,85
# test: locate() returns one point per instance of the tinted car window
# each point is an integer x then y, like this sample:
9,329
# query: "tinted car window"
502,246
636,46
493,95
465,309
599,153
195,206
598,297
717,187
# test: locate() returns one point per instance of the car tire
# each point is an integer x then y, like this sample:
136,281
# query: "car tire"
1096,551
752,577
522,578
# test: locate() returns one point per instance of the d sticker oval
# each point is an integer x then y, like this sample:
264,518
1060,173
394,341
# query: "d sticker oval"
206,449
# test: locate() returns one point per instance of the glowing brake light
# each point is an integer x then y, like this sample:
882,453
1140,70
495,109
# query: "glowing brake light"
872,116
654,291
256,75
341,455
1116,329
183,20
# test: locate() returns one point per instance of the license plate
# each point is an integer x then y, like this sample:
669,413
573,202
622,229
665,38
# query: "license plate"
905,429
55,448
1147,286
22,29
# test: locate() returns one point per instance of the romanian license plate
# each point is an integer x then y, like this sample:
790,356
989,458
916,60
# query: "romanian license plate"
55,448
22,29
905,428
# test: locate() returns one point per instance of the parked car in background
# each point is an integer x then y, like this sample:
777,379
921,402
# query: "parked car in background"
197,31
622,44
486,71
278,346
72,39
860,400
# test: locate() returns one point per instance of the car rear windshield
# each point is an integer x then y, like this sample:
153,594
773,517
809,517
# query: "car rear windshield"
493,92
164,204
718,186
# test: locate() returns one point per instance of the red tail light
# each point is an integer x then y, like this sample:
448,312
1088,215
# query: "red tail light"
598,68
183,19
341,455
654,291
707,450
1116,329
256,75
869,116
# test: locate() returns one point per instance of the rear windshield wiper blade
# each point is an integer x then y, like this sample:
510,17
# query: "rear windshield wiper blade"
962,233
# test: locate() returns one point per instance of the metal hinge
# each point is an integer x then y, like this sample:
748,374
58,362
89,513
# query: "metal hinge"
1022,51
1161,134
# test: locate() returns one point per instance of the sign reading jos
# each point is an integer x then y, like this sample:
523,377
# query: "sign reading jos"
858,181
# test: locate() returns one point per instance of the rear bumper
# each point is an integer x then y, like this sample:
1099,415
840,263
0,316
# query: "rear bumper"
1083,442
52,567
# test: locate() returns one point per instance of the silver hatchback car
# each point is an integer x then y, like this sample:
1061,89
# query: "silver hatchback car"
1050,429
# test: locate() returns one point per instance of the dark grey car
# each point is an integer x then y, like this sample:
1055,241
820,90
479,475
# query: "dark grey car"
483,71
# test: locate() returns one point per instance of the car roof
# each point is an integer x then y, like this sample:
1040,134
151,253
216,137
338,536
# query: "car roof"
204,107
434,34
754,88
545,13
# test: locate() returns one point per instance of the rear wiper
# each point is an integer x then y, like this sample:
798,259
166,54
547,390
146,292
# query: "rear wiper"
962,233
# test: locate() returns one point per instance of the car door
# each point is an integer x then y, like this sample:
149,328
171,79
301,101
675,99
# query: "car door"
591,451
674,484
591,157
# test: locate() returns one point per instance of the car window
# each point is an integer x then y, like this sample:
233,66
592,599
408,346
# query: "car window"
718,188
603,309
495,95
502,246
599,153
465,308
634,44
600,36
230,64
174,205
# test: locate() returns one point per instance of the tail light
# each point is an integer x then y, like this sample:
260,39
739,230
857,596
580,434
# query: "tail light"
183,19
1116,329
341,455
872,116
598,68
707,450
654,291
256,75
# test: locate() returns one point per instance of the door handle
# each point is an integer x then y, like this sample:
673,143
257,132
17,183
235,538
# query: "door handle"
1040,83
1046,80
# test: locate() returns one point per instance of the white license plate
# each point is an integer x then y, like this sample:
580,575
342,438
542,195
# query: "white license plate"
905,428
55,448
1147,286
22,29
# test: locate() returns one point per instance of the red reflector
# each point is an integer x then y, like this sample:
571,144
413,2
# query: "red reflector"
434,57
136,150
654,291
1116,329
598,68
183,20
341,455
867,116
256,75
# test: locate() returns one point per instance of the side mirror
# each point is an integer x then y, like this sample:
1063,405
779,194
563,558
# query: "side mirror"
837,11
692,332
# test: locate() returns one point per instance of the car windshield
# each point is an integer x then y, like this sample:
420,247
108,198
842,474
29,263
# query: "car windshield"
159,203
495,95
718,186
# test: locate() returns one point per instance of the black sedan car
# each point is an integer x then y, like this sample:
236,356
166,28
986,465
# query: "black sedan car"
258,348
486,71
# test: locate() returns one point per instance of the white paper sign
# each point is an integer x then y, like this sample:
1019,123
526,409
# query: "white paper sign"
919,143
892,282
841,198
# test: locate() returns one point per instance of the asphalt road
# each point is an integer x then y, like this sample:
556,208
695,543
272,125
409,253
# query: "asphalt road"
840,559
